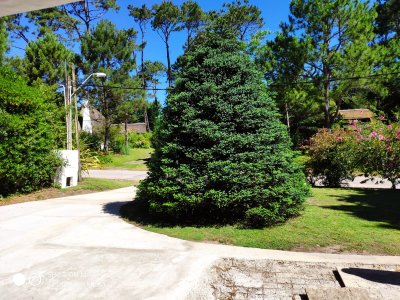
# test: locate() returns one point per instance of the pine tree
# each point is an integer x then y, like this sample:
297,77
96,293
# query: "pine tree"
44,60
221,153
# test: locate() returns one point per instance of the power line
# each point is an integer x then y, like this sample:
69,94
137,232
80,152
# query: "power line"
335,79
272,85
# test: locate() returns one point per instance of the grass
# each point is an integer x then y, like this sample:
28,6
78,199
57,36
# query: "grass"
87,185
334,221
135,160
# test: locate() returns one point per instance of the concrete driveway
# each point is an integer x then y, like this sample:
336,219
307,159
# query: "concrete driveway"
117,174
78,248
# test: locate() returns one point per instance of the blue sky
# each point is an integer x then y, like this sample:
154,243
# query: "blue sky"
273,12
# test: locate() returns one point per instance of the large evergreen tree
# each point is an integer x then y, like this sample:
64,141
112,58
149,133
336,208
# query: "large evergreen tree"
221,153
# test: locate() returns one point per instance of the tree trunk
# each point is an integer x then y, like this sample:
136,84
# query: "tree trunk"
78,147
107,123
87,17
287,117
146,118
326,84
327,104
126,133
169,75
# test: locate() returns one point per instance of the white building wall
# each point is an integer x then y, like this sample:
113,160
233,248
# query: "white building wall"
86,121
68,174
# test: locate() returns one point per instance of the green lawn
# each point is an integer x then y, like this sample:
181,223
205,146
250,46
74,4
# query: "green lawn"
334,220
136,160
99,185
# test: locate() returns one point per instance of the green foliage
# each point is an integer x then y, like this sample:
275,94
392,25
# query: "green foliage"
74,19
166,19
44,60
118,144
220,149
371,148
28,133
140,140
238,17
110,50
332,157
378,150
323,40
90,140
193,17
3,40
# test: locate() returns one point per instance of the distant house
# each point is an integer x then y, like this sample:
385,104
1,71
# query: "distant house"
133,127
93,121
362,114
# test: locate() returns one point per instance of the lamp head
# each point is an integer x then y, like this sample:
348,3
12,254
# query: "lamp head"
100,75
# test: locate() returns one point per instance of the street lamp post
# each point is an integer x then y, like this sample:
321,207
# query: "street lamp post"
70,91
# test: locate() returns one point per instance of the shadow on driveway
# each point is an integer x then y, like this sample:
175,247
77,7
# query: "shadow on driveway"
380,276
113,208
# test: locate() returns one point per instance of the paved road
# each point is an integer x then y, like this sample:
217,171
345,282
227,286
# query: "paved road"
78,248
117,174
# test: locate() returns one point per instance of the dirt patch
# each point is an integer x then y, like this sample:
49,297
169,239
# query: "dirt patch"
332,249
43,194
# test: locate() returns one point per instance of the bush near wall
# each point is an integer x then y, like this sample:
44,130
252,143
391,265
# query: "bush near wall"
28,122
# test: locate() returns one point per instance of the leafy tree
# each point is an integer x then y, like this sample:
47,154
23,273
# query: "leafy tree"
109,50
167,18
221,153
44,60
387,27
16,27
238,17
142,16
193,18
388,20
3,41
55,20
325,40
75,18
152,73
28,134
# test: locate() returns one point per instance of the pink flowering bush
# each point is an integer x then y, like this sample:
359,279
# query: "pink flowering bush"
372,148
378,150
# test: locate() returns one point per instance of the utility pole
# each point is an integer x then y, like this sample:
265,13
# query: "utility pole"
68,116
76,120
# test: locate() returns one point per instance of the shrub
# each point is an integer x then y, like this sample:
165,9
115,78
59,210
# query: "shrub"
139,140
332,157
92,141
378,150
221,153
28,127
117,143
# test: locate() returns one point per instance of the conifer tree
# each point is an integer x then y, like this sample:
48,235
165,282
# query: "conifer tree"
221,153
